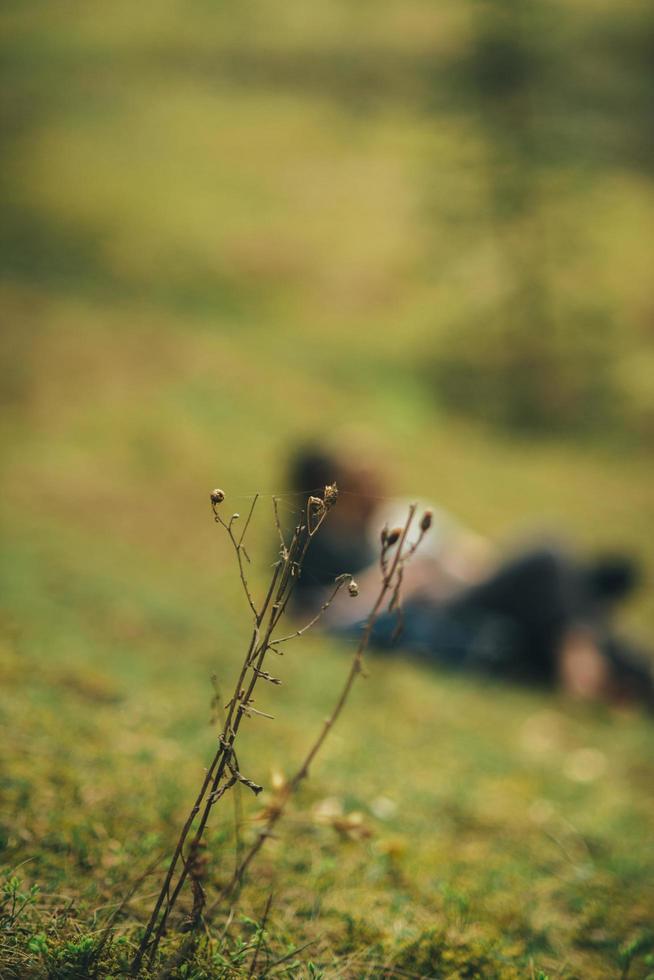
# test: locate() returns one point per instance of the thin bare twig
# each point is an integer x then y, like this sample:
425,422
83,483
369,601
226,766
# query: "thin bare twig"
224,773
238,546
388,584
247,521
262,927
340,582
240,705
278,525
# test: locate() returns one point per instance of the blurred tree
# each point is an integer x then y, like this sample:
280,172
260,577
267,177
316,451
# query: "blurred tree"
533,361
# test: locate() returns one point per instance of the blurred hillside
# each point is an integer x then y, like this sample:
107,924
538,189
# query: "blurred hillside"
474,177
224,226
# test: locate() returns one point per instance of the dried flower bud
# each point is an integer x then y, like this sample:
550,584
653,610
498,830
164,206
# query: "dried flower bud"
330,495
425,523
393,536
217,497
384,536
353,589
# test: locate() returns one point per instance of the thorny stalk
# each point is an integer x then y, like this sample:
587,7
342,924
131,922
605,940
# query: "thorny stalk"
223,772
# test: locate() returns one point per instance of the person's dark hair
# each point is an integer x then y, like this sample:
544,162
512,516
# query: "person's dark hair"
612,577
311,470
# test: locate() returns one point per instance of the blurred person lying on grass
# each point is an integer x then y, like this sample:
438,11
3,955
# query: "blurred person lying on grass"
542,617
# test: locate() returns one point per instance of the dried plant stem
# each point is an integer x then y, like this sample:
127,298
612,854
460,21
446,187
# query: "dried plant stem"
340,581
392,570
224,773
223,765
262,927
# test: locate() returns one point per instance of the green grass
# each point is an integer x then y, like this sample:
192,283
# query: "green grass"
226,230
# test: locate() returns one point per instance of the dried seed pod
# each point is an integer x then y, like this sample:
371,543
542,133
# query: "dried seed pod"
425,523
353,589
384,536
217,497
330,495
393,536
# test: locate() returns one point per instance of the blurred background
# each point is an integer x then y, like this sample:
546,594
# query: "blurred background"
228,227
225,225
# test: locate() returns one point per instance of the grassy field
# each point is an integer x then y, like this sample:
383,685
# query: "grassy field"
227,229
